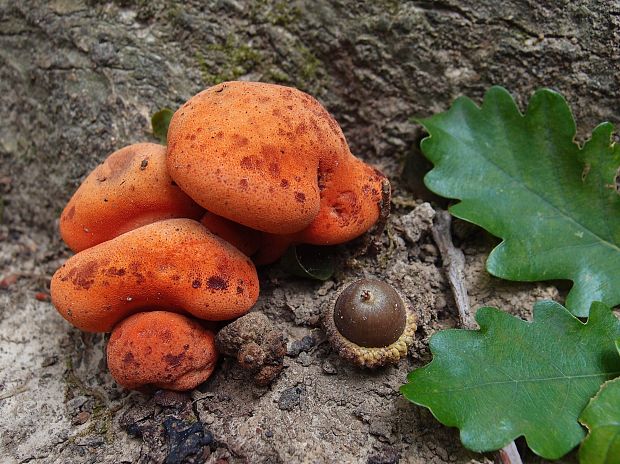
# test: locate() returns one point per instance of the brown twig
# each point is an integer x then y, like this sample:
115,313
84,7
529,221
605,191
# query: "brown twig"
454,265
509,454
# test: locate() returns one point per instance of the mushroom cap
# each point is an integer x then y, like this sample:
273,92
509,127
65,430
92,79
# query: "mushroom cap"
271,248
351,196
131,188
272,158
250,152
161,349
176,264
246,240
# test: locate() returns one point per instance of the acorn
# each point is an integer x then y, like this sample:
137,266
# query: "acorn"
370,325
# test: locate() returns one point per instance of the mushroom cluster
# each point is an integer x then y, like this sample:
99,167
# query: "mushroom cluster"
167,238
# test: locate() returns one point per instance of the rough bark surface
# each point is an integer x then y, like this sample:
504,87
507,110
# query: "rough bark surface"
79,80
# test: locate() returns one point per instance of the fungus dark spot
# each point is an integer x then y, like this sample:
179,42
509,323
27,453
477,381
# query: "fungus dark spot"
119,163
144,164
129,358
113,271
240,140
300,197
135,271
196,283
217,283
250,163
239,290
301,129
284,183
70,213
83,276
174,360
243,184
186,347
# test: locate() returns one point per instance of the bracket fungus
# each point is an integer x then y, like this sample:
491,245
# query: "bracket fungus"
246,240
271,167
370,325
160,349
175,265
130,189
273,159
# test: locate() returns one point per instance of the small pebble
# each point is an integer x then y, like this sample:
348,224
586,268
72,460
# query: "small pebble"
298,346
329,368
81,418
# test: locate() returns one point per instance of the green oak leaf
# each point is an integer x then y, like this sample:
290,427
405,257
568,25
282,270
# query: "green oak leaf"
160,122
514,378
602,417
524,179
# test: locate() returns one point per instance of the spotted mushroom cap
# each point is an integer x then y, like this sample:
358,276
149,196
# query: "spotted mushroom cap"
161,349
272,158
130,189
176,265
246,240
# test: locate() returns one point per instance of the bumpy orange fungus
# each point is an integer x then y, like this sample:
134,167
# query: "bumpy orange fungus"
131,188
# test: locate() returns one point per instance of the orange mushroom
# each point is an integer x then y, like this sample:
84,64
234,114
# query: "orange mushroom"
273,159
246,240
161,349
131,188
176,264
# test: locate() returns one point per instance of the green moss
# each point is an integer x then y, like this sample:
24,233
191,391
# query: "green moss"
228,61
277,12
237,56
309,65
278,76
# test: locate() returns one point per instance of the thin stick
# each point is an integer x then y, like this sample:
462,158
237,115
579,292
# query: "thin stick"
454,265
509,454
